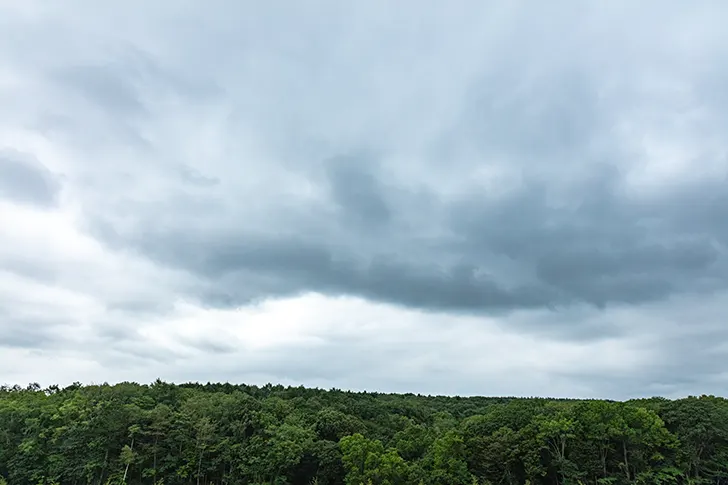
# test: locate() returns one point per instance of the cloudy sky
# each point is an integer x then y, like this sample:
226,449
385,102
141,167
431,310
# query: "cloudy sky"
499,198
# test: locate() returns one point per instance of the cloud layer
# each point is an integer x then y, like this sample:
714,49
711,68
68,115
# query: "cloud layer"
477,199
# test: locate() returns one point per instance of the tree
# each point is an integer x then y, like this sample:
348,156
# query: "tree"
701,425
556,432
447,457
367,460
225,434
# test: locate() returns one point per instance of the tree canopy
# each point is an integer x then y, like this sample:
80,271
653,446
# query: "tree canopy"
206,434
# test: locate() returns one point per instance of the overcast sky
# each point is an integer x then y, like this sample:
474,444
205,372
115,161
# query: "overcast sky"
498,198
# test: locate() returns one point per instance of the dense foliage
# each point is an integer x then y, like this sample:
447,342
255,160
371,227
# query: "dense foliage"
238,434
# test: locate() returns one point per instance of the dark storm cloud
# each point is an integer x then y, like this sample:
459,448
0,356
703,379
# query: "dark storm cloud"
248,268
357,191
569,233
602,246
599,247
25,180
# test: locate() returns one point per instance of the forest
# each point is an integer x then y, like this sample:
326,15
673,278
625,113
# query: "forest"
204,434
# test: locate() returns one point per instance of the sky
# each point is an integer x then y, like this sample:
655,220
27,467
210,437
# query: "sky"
468,197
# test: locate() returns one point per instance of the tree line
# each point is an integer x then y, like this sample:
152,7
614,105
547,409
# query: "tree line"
225,434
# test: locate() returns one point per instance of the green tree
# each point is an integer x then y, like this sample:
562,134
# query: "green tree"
447,457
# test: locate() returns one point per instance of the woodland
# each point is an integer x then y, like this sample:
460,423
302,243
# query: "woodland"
229,434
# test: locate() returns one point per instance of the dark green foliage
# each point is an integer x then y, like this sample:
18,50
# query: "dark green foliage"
236,434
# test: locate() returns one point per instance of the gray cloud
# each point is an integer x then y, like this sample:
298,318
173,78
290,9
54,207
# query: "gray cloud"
604,247
25,180
568,179
357,191
104,85
516,252
26,335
